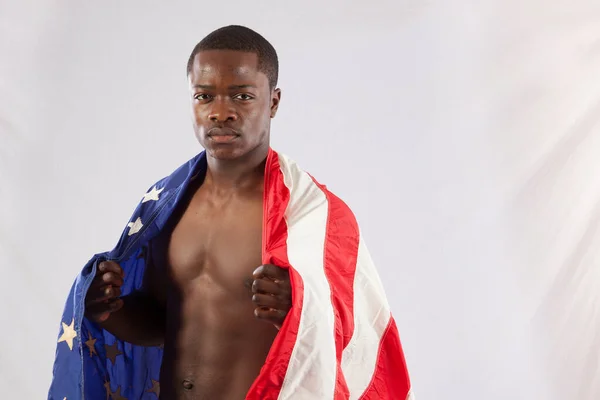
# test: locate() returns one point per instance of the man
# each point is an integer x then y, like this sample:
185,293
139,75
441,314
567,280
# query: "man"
206,294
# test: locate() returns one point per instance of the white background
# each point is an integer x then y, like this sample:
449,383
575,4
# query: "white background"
464,135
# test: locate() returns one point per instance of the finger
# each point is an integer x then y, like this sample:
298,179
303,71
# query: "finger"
265,300
102,294
105,278
116,305
94,295
270,271
112,292
111,278
271,315
101,283
110,266
264,285
100,312
103,315
109,292
97,298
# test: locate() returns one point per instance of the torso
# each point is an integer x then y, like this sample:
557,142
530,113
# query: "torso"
214,346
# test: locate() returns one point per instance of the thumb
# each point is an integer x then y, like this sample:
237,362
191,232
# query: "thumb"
103,317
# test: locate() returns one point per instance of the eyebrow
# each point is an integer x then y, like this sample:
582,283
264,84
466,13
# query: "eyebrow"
246,86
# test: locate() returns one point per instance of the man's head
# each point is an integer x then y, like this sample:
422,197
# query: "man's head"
232,74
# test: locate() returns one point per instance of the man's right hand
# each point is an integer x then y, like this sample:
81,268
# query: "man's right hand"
103,297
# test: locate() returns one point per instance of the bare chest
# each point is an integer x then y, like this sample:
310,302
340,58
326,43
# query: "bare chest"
218,244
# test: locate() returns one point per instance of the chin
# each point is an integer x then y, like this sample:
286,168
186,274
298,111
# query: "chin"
220,152
224,152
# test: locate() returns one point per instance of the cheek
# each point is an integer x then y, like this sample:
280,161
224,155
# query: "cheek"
259,122
261,116
195,113
198,118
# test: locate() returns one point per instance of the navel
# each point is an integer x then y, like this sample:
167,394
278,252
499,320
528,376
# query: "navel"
187,384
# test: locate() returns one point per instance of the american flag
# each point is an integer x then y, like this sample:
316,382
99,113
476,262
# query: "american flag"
339,340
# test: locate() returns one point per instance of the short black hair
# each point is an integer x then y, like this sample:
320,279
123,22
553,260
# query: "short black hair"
240,38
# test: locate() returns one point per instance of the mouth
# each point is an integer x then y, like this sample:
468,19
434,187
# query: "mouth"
222,135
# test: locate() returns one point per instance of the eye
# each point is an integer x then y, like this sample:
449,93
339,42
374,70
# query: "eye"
244,96
201,96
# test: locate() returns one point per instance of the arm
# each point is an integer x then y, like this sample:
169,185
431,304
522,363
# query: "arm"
140,321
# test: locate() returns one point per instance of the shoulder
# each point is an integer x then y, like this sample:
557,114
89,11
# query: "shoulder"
307,193
163,194
184,173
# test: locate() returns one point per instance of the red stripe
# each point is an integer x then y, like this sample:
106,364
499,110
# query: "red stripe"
391,379
341,251
276,198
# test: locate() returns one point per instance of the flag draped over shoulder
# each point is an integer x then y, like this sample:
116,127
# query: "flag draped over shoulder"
339,340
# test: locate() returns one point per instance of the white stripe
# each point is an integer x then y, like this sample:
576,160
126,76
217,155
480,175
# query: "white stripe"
371,317
312,369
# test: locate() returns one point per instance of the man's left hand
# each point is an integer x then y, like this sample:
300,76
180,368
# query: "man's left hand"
272,294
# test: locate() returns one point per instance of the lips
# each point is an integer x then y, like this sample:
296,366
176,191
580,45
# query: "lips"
217,131
222,135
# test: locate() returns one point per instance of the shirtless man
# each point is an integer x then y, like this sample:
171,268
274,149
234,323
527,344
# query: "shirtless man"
205,297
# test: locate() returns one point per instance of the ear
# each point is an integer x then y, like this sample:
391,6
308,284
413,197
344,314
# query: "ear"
275,99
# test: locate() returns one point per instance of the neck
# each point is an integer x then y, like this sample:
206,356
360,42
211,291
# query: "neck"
240,173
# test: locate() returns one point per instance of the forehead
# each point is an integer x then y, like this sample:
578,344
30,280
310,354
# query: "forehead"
226,65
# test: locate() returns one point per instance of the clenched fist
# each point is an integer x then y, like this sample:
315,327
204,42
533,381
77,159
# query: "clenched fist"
103,297
272,294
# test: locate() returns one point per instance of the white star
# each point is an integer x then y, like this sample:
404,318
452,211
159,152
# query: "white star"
134,227
68,334
152,194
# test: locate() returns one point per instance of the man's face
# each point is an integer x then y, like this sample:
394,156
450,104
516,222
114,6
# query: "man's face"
232,103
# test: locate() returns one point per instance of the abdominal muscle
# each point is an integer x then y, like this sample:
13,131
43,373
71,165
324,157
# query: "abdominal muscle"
214,346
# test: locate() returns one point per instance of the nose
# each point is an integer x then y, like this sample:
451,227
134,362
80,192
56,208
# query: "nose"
222,111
